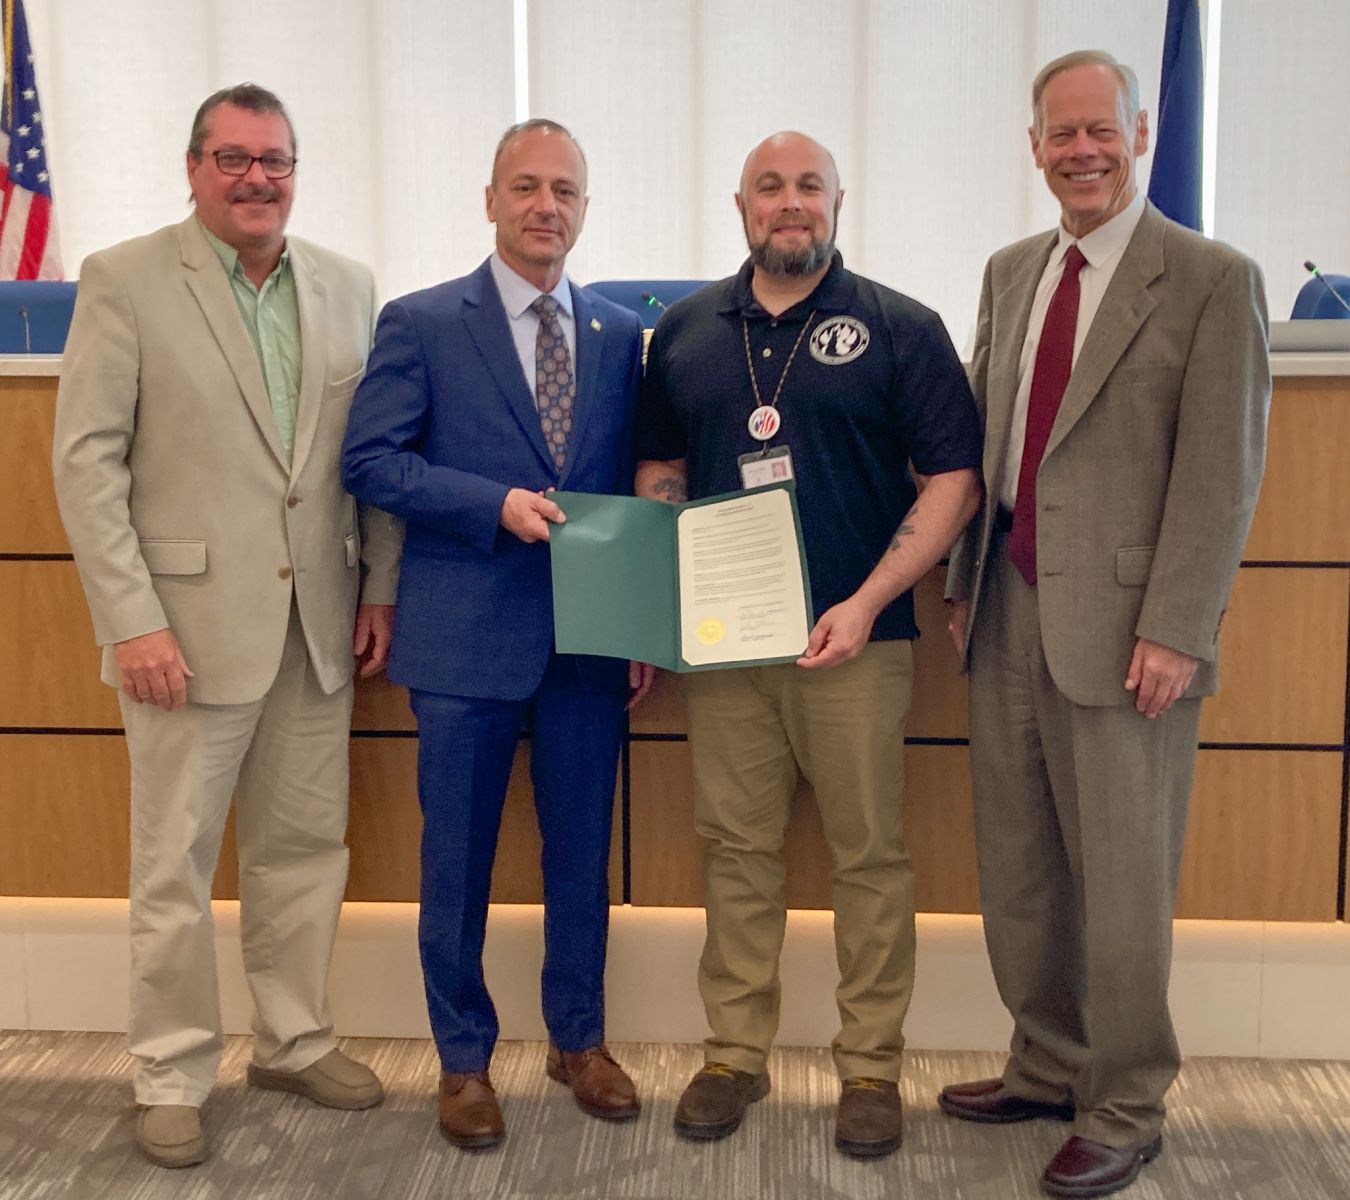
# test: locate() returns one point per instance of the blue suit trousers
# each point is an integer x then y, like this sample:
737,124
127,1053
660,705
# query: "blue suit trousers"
466,747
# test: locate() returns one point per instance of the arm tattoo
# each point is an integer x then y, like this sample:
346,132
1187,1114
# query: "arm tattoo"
906,528
670,488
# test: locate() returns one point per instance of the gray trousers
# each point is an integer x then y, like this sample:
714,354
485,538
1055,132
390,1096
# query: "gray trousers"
1080,815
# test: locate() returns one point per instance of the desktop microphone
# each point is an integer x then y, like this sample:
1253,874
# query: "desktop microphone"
652,302
27,333
1311,267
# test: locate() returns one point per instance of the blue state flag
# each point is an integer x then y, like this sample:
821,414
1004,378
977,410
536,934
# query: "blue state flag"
1174,185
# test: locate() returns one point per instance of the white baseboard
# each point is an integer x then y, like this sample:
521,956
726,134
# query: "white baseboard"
1238,988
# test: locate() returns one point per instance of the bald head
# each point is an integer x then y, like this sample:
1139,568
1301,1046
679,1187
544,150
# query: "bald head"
789,201
792,148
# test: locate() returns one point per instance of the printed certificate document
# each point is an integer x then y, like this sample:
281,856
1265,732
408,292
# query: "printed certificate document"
719,582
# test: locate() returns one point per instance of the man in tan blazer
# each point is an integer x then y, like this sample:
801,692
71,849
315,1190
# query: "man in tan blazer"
203,399
1121,369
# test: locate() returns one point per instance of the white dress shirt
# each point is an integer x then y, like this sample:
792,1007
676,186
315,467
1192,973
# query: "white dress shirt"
1102,248
517,295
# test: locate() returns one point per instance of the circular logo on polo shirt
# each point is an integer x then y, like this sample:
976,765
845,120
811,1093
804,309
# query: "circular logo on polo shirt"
839,340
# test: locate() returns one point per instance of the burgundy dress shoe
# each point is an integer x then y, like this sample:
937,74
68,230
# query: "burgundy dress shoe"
601,1087
1084,1168
468,1112
991,1103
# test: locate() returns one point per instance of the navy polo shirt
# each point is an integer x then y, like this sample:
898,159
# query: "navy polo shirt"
875,383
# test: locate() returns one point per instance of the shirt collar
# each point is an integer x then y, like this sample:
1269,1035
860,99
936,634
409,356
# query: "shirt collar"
834,293
518,293
229,256
1106,241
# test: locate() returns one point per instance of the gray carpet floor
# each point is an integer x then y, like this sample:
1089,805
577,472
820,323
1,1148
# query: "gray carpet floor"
1239,1129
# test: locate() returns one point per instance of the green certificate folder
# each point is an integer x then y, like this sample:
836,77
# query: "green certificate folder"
719,582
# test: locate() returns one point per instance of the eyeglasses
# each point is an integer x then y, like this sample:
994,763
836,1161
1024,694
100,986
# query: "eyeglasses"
236,162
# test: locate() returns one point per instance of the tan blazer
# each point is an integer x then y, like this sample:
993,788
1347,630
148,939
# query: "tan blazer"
172,480
1146,491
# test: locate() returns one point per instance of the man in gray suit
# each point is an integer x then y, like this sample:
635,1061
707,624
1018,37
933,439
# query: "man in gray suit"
1121,369
203,399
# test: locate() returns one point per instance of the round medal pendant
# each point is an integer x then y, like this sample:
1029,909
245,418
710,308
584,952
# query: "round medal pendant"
764,423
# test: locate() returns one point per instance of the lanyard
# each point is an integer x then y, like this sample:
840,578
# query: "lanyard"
765,421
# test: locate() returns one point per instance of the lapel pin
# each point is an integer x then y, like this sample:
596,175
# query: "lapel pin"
595,324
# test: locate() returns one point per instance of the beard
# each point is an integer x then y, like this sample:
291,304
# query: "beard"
805,260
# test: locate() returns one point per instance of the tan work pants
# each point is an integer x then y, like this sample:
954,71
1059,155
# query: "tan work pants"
752,731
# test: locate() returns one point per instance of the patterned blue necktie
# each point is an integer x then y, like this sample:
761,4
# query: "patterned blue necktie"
554,383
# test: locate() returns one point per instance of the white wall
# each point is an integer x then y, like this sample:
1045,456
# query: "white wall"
398,104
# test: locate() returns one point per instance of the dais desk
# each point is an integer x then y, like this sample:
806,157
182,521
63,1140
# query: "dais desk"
1267,836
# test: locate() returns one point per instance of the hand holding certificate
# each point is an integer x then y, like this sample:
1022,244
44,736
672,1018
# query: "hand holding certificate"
710,583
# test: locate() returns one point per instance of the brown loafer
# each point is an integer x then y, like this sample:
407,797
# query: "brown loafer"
1087,1168
601,1087
468,1112
989,1102
868,1124
714,1103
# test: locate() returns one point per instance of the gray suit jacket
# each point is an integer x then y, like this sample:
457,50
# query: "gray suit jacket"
172,481
1146,491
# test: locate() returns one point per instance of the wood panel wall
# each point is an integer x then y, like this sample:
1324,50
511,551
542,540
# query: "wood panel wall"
1267,835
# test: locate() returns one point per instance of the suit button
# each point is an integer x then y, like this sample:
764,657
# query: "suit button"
292,501
284,573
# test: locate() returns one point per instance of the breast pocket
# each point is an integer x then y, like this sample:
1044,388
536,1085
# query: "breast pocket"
345,385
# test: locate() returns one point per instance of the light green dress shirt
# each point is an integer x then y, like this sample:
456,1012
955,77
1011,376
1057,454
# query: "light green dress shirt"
272,316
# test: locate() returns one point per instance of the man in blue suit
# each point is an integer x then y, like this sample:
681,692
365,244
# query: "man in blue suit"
470,412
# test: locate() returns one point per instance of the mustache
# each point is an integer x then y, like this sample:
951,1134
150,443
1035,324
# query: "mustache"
254,191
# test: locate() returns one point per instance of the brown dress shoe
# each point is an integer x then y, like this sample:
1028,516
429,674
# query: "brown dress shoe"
601,1087
468,1112
991,1103
868,1124
1086,1168
715,1101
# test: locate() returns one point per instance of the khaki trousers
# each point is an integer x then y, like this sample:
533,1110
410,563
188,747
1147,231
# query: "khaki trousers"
1079,819
284,760
752,731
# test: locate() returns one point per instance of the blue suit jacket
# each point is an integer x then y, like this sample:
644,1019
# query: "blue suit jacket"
442,426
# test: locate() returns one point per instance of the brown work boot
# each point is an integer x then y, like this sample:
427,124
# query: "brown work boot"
868,1124
601,1087
714,1103
468,1112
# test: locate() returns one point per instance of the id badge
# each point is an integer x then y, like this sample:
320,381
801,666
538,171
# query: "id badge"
765,466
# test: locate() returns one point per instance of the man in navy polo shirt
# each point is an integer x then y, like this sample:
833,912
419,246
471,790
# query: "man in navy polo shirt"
796,366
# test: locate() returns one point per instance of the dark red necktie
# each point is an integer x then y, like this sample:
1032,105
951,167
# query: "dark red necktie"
1054,362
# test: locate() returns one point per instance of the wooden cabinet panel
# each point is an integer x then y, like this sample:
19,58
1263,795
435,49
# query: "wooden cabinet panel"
1282,658
1303,514
1264,836
47,643
65,801
667,855
29,522
940,694
663,709
63,815
381,704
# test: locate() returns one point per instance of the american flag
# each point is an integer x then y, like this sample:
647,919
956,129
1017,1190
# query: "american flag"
29,246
